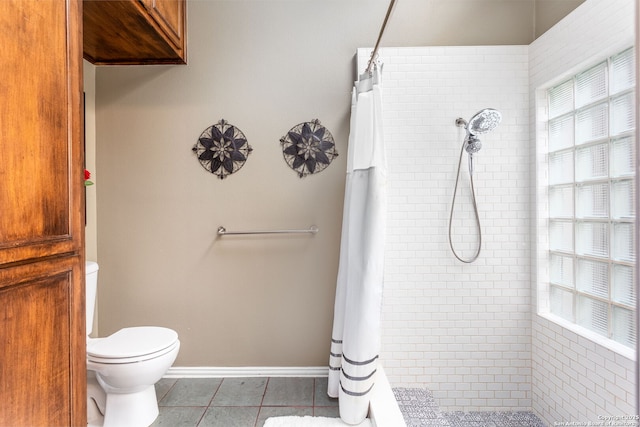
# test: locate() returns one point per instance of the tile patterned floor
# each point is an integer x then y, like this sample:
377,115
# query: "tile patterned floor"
420,409
248,402
239,402
493,419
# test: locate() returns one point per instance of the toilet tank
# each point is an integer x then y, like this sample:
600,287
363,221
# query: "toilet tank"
91,272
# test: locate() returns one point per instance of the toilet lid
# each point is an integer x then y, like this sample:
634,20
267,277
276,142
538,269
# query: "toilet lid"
132,342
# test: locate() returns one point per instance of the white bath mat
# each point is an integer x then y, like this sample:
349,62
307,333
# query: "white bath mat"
310,422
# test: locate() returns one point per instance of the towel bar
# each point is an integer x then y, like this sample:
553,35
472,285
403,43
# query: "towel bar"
223,231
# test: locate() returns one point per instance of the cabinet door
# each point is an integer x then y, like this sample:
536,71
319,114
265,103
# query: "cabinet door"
169,14
37,355
40,129
42,323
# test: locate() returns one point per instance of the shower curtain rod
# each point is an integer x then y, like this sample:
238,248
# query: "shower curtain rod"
384,25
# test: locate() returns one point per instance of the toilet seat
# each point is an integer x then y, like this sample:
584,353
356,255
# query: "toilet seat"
132,345
129,360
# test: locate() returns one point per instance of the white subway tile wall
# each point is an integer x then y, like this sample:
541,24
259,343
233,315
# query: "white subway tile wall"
573,378
470,332
461,330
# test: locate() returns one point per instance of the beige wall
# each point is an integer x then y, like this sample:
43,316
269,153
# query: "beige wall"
91,228
91,232
264,66
548,11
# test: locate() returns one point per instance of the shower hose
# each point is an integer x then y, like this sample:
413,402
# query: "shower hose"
475,209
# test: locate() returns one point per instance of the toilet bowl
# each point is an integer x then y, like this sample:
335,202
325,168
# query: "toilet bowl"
122,369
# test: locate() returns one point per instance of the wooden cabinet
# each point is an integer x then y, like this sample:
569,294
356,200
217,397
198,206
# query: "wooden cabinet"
42,302
134,31
41,382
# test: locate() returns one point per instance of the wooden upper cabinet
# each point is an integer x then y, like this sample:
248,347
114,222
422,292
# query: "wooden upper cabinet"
135,31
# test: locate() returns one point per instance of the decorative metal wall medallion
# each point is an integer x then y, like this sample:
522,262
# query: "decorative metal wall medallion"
308,148
222,149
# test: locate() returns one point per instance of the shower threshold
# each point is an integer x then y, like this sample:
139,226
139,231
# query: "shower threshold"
383,408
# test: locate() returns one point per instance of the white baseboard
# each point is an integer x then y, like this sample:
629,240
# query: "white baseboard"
245,371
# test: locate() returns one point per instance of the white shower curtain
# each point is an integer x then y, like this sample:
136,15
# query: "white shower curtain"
355,340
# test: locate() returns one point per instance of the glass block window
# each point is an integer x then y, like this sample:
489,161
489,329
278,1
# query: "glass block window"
591,191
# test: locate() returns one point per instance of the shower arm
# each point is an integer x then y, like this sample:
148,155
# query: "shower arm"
460,122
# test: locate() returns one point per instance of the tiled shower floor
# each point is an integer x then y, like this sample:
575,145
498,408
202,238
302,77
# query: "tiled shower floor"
248,402
420,409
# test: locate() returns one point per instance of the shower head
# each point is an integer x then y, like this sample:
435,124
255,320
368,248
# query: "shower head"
473,144
484,121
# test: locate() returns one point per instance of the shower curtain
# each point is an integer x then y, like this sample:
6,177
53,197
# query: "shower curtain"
355,340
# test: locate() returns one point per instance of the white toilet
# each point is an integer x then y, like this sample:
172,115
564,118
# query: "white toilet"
122,369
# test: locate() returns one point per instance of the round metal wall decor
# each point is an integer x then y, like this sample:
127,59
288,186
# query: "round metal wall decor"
308,148
222,149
